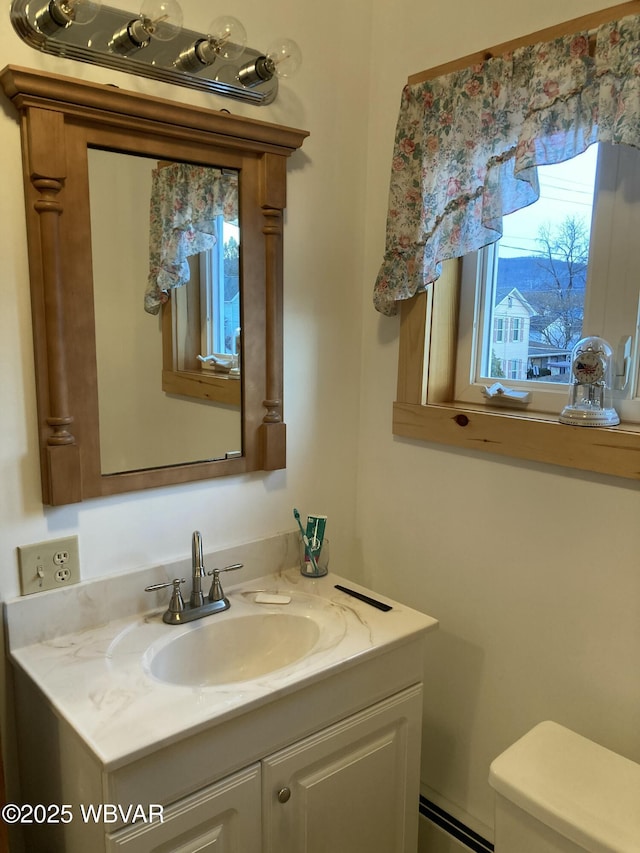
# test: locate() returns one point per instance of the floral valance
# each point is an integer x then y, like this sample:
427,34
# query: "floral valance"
467,144
185,201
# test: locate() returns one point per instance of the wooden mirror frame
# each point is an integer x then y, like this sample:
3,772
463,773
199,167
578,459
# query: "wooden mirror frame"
62,117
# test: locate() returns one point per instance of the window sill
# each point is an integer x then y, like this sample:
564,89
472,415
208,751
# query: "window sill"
192,383
533,436
424,410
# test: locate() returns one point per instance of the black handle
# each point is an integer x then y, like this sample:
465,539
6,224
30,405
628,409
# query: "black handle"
362,597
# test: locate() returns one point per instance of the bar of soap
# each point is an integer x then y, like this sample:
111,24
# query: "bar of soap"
271,598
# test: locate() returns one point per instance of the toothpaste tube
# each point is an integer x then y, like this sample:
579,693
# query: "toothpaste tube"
316,525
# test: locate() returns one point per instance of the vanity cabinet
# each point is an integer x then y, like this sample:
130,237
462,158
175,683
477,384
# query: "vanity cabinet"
322,756
349,787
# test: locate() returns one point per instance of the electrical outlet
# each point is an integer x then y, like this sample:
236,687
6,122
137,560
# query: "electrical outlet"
49,565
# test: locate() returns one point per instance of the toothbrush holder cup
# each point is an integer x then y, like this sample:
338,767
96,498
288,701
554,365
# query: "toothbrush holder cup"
322,561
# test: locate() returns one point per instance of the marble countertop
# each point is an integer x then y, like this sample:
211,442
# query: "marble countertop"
97,680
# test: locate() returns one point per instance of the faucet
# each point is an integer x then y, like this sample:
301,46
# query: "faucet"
197,570
179,611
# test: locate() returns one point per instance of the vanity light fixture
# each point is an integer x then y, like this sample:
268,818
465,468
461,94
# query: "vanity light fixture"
217,61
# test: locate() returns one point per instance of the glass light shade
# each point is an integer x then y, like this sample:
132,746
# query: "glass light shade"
590,398
162,19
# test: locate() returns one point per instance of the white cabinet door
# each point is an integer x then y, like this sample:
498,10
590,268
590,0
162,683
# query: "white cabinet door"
351,788
223,818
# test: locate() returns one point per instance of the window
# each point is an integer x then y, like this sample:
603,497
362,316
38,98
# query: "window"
441,369
437,378
565,268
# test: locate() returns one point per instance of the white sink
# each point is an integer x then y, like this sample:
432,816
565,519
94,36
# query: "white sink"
235,650
246,642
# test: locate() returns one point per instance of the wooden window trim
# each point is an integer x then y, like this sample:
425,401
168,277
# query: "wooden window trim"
425,409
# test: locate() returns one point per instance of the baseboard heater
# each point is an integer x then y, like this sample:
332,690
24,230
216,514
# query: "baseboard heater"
451,825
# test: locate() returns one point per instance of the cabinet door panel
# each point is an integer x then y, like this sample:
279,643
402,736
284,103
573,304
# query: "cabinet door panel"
351,788
223,818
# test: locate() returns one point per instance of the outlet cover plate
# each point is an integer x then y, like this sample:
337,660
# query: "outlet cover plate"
49,565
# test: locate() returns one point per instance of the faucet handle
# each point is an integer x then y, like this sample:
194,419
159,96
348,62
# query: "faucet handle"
230,568
216,593
176,603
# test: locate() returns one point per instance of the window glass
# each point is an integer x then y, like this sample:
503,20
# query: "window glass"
564,268
535,292
220,294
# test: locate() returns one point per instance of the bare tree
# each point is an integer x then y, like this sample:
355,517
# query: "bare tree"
564,253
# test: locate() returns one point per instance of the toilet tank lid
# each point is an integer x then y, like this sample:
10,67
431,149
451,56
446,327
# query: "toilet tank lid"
580,789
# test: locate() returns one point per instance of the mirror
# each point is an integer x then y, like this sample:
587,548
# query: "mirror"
199,402
72,130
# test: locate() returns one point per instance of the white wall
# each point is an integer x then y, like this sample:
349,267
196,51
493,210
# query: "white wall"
532,570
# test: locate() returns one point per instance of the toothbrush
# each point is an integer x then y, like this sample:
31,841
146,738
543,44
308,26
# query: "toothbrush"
315,541
307,547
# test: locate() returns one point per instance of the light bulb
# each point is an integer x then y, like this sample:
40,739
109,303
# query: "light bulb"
60,14
159,19
286,57
282,59
226,39
229,35
162,18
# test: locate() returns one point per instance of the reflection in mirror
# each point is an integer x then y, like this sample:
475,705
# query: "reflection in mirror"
194,277
149,416
206,310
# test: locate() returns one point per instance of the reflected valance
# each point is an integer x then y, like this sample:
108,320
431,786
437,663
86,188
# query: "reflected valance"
186,199
468,143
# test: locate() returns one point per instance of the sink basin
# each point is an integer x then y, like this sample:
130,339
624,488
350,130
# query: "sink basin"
227,651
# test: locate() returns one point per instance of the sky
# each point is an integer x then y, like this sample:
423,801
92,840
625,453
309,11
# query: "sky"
566,189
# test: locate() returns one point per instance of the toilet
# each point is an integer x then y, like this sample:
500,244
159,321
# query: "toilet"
557,792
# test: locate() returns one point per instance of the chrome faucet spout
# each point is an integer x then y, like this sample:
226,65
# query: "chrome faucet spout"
198,571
